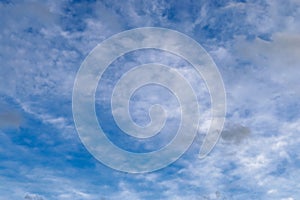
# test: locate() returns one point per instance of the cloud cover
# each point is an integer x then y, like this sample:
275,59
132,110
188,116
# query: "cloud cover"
255,45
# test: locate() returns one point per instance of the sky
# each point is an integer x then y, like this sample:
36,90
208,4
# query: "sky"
255,46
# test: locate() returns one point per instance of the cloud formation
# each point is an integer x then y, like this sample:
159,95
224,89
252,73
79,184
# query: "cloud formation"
256,47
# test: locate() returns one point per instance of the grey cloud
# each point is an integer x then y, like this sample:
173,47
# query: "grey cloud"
10,119
235,133
33,197
9,116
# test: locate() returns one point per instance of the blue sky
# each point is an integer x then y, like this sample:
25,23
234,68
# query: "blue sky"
256,46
